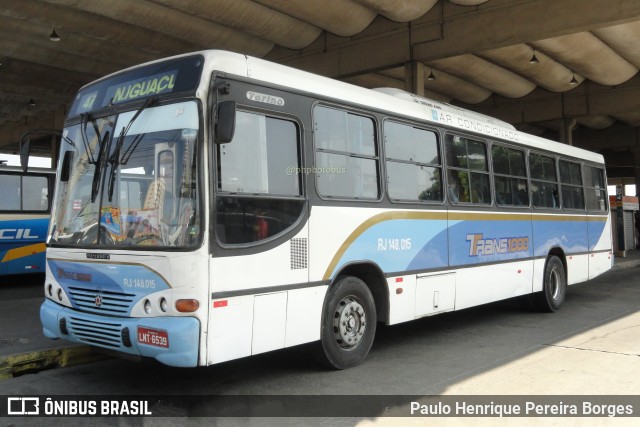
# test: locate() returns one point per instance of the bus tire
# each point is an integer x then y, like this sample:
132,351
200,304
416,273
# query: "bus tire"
348,324
554,286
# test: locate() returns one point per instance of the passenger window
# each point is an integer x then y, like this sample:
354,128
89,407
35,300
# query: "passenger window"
596,190
35,193
510,176
467,172
258,159
259,180
413,163
346,155
10,192
544,182
24,193
571,180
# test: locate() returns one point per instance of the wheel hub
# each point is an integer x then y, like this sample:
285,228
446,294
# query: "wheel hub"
349,323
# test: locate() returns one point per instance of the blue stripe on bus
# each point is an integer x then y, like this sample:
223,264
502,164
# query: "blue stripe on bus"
18,233
415,244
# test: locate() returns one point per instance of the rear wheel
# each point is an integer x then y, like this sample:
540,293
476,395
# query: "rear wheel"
348,324
554,287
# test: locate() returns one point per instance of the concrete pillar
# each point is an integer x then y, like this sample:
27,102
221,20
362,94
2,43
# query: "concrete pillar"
636,163
54,150
567,125
58,123
414,77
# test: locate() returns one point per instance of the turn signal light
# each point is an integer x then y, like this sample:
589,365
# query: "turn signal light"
187,305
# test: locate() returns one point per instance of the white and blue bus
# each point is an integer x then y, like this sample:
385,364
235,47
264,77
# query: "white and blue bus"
213,206
24,218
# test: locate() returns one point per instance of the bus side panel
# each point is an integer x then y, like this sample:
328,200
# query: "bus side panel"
485,284
252,324
567,232
257,321
22,248
230,329
577,269
435,293
501,247
578,264
269,320
395,241
538,274
304,311
23,259
402,298
285,264
600,244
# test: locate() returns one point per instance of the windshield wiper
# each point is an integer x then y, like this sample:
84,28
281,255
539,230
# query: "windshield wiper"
115,159
84,119
97,174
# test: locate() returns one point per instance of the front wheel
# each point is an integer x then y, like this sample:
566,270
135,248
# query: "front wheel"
348,324
554,287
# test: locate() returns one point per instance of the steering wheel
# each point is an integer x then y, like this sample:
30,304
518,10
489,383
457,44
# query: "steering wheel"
90,236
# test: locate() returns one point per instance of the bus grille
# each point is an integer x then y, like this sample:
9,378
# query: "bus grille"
103,334
109,302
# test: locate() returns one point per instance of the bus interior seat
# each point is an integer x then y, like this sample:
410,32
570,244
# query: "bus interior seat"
155,195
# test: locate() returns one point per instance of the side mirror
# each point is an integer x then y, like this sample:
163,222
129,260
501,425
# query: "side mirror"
65,172
25,143
225,124
24,154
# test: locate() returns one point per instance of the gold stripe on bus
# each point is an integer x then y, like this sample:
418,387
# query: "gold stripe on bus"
386,216
455,216
22,217
469,216
23,252
491,216
541,217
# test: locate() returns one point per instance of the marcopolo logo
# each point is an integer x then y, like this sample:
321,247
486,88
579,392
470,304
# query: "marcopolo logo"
479,246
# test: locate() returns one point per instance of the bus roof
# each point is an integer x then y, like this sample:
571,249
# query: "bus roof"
392,100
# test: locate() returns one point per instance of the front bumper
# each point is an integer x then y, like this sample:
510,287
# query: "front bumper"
111,333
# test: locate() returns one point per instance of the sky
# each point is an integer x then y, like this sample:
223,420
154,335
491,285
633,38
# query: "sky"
36,162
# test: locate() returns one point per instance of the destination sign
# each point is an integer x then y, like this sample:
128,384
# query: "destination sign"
163,78
149,86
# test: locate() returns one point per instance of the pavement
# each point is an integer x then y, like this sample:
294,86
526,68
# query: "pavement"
24,349
23,346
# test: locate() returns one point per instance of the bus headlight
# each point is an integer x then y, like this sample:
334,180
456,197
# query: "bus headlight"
163,304
60,294
147,306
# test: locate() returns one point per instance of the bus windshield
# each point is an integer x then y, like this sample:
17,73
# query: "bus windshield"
129,180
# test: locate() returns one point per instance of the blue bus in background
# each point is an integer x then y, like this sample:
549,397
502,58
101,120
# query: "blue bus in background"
25,208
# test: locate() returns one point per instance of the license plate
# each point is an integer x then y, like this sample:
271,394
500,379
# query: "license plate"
153,337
